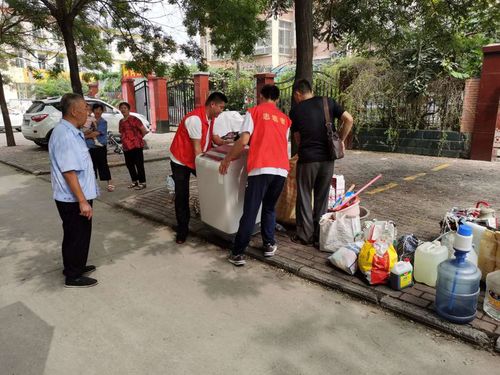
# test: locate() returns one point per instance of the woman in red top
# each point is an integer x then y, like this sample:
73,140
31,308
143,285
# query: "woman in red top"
132,132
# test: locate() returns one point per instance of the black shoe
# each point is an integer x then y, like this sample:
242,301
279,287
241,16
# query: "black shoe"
87,270
180,239
237,260
80,282
296,239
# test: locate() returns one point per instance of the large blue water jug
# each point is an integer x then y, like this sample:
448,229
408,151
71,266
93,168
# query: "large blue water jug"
457,287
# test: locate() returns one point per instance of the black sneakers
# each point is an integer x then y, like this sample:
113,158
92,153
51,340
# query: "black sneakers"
237,260
270,250
80,282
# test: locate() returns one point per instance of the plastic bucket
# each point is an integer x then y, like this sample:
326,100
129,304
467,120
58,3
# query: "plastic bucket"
352,210
363,213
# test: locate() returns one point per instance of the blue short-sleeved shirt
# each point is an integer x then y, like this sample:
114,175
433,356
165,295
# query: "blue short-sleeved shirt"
68,152
102,127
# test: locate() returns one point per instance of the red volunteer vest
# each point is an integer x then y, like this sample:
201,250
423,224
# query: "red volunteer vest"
182,147
268,143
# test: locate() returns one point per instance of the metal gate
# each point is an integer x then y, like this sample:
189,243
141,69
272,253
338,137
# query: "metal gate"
323,85
180,99
142,98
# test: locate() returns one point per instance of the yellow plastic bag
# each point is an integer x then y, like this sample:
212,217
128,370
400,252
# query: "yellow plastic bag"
376,260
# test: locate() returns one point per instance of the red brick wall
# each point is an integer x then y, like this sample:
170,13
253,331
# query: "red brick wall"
469,107
487,105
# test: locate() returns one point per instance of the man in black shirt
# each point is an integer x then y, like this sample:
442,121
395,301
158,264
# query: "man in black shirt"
314,167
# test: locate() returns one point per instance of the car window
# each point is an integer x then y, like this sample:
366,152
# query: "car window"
108,109
57,106
36,107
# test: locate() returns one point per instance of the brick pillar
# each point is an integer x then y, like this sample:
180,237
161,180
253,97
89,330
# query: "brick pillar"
261,80
93,89
128,93
487,105
471,93
200,88
158,105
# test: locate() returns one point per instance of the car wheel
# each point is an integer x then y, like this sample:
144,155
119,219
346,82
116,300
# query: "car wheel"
41,144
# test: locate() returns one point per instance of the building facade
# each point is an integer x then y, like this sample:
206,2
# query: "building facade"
277,49
48,54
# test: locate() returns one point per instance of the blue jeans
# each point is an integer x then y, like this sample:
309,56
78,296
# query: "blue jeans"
265,189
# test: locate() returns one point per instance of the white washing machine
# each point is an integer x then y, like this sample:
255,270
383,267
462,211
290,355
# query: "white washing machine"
221,197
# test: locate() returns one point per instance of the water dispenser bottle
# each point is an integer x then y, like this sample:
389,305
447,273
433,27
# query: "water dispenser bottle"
457,288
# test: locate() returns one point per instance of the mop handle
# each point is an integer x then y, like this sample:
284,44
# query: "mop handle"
359,191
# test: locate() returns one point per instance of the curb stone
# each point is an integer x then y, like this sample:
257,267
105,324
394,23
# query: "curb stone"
35,172
427,317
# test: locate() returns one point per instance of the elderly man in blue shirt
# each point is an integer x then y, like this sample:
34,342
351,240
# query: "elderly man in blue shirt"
74,187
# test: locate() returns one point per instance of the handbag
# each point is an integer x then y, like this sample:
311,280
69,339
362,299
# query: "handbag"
334,142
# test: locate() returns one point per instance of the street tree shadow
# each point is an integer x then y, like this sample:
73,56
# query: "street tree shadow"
26,340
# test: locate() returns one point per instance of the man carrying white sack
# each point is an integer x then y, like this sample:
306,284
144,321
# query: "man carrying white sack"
227,127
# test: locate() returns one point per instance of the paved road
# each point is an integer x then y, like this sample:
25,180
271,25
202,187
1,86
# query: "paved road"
160,308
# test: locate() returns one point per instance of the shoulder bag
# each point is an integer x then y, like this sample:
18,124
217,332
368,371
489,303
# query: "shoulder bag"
334,141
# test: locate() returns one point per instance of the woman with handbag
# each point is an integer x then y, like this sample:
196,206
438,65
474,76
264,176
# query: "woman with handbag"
319,144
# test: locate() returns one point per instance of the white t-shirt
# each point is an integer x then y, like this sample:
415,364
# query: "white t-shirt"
227,122
193,127
248,127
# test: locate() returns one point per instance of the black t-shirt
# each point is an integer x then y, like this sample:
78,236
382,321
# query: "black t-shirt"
308,119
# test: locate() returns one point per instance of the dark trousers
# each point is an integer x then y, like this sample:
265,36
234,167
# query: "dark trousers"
134,160
262,189
181,175
99,157
313,180
76,240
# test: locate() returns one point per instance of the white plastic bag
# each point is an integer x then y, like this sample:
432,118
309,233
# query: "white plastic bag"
375,230
337,230
346,258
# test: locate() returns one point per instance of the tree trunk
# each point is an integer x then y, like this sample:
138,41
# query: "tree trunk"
69,42
9,134
304,38
238,70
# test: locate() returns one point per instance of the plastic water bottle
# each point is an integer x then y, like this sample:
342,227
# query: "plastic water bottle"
457,288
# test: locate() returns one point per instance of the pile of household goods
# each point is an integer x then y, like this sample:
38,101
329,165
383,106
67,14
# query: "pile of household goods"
466,252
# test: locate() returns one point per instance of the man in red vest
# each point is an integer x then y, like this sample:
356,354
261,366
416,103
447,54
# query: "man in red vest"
266,128
193,136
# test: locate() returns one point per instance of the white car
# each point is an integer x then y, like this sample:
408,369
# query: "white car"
16,120
43,115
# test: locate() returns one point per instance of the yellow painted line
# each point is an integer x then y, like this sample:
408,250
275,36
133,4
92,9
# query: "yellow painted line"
383,188
439,167
414,177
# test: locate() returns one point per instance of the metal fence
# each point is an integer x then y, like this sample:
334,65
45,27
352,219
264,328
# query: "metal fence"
180,99
323,85
142,98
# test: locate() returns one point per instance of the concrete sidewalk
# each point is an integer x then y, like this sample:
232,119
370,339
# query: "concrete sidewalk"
166,309
415,192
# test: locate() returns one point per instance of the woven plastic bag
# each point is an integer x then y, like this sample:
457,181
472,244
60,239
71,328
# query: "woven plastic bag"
285,207
376,260
337,230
